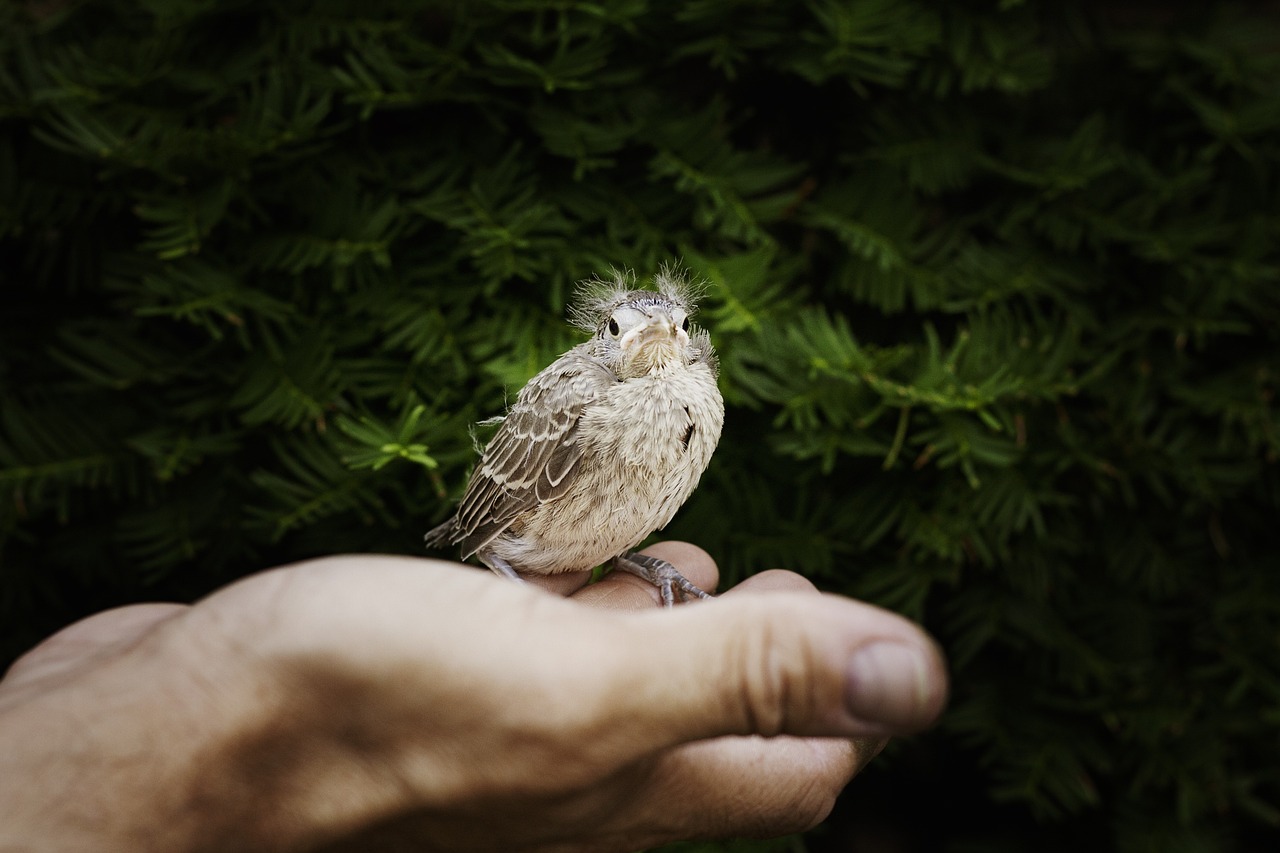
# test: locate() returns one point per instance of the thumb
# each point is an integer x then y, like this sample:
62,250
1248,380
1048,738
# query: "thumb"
778,663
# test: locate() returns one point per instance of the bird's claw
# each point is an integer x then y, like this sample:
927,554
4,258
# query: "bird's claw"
663,575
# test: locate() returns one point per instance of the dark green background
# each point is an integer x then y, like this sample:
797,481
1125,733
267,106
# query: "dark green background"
995,287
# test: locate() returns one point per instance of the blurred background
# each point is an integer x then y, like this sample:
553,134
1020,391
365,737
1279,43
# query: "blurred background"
995,285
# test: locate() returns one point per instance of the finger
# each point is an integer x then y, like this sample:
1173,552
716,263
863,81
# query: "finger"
774,580
623,591
748,786
753,786
772,663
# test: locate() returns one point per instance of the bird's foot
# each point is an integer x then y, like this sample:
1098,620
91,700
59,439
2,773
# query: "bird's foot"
499,566
660,573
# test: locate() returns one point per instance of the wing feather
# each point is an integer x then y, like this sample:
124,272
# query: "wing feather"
535,453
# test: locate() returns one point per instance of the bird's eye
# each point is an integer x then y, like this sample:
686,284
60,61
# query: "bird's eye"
613,327
685,324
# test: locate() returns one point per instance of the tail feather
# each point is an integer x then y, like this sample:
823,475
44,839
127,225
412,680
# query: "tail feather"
440,536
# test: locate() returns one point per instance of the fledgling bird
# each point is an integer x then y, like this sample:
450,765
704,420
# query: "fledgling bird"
603,446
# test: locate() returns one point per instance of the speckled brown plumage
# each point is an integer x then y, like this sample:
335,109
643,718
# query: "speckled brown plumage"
602,447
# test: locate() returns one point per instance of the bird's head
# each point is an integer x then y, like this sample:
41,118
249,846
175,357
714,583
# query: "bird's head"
638,332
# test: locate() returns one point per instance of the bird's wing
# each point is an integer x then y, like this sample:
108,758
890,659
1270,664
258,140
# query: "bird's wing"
532,458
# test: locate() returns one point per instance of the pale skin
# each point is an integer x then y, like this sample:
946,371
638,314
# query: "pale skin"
392,703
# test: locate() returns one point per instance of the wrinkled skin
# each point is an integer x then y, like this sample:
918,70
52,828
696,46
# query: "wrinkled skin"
388,703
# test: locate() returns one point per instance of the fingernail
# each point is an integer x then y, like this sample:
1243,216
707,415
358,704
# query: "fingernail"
887,684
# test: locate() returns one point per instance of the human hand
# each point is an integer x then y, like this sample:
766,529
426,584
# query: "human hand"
383,703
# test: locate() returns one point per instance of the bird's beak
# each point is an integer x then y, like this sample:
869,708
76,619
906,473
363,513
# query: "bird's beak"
655,342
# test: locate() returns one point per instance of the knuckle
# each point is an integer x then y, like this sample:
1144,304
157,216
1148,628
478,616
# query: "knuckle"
775,679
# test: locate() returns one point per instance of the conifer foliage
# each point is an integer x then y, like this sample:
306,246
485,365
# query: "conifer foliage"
996,289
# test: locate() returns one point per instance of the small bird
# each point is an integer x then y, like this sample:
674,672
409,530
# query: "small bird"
603,446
